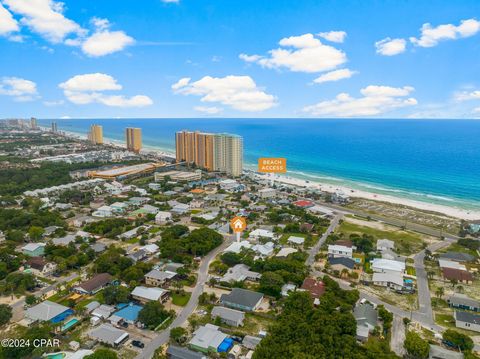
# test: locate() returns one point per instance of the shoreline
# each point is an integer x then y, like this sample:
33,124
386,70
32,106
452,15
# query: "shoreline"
290,179
355,193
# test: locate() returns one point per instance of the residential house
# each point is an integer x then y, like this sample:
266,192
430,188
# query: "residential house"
207,338
175,352
287,288
94,284
236,247
64,241
265,193
461,276
335,250
264,250
457,256
180,208
251,342
103,311
242,299
341,263
366,316
392,280
463,302
467,320
34,249
48,311
103,211
108,334
145,294
381,265
256,234
239,273
163,217
156,278
138,255
229,316
40,267
316,288
119,207
285,252
296,240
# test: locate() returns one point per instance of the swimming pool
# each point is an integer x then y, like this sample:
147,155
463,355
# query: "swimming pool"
55,356
69,324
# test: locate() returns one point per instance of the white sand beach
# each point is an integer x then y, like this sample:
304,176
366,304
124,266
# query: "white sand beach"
447,210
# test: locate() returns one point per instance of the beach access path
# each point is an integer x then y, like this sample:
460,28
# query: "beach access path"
164,336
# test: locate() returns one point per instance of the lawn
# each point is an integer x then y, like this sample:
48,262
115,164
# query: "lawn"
455,247
411,271
180,299
406,242
284,238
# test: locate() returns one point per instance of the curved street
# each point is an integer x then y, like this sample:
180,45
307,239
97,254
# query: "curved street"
164,336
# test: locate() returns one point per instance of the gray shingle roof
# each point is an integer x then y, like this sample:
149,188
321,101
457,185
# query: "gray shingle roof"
243,297
467,317
228,314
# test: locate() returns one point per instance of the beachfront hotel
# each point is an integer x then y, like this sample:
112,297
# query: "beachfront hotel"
95,135
211,151
133,138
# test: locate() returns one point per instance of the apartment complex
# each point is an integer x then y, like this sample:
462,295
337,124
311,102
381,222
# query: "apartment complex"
213,152
134,139
95,135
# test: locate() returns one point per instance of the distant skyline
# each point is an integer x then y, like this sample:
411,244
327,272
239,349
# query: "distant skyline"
214,58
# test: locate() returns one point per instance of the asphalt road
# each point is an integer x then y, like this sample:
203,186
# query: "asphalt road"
423,291
316,248
45,290
164,336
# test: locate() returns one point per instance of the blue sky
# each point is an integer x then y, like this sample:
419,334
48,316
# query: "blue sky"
239,58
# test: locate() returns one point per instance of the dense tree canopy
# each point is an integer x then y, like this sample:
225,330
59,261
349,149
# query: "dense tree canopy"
326,331
179,246
415,346
153,314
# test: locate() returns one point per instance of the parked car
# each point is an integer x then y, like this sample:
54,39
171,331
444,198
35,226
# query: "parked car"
138,344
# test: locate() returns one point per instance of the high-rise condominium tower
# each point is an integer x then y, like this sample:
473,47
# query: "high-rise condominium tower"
134,139
214,152
33,123
96,134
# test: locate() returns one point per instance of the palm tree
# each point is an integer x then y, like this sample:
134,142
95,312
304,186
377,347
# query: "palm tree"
440,292
344,272
459,289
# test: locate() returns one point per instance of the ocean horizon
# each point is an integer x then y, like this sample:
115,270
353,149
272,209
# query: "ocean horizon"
431,161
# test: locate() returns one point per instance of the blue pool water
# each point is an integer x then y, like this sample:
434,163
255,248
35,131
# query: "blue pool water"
69,324
436,161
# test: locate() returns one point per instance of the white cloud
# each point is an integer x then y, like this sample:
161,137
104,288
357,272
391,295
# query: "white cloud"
239,92
46,18
390,47
171,1
7,23
208,110
53,103
89,88
376,100
304,53
431,36
20,89
467,95
334,36
106,42
335,75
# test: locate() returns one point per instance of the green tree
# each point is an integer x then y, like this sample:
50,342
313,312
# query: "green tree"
461,341
5,314
415,346
271,284
30,299
116,294
35,233
153,314
178,335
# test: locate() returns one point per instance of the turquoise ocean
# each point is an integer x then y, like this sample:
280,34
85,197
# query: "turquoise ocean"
435,161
